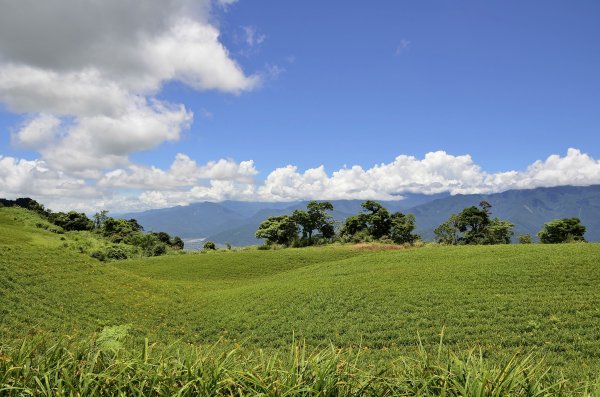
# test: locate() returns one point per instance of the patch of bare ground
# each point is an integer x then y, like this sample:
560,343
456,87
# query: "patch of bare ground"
378,247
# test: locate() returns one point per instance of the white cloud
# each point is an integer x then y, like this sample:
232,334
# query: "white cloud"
37,132
136,187
252,37
23,178
98,65
437,172
183,173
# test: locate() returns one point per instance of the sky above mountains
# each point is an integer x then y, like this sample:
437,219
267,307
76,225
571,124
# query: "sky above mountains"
129,105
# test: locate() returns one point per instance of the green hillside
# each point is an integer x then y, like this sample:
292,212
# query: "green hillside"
501,299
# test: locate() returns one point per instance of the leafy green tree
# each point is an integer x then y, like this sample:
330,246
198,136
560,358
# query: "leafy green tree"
72,221
353,225
164,238
280,229
401,228
474,226
498,232
473,223
374,222
121,230
315,218
562,231
525,239
321,220
302,219
447,232
177,243
209,245
100,218
379,221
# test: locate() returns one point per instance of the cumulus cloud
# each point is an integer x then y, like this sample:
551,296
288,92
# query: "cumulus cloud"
37,132
437,172
92,69
136,187
22,178
184,172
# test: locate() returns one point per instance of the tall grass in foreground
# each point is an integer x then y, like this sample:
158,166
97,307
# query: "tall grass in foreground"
103,367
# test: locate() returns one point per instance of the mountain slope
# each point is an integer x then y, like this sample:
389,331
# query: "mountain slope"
527,209
235,222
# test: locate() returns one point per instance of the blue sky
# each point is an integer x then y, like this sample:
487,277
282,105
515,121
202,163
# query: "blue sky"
507,82
330,83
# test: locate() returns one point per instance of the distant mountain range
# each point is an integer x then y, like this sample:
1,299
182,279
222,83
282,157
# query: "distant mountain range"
235,222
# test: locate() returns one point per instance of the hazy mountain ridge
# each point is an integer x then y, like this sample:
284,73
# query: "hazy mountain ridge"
235,222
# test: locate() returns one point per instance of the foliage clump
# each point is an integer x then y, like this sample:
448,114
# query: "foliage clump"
302,228
564,230
474,226
209,245
376,223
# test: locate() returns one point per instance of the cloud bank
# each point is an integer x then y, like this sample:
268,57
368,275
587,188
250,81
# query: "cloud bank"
137,187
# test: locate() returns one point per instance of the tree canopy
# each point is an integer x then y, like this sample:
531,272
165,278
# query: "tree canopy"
562,231
474,226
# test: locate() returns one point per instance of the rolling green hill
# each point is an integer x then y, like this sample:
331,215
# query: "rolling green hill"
500,299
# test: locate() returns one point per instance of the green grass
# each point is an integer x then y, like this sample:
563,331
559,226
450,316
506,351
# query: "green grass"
497,299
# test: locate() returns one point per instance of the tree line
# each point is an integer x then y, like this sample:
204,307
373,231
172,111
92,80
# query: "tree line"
126,237
473,225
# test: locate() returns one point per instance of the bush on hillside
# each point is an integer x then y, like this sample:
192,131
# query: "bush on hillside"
209,245
564,230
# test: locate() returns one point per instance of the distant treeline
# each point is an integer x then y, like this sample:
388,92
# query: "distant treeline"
126,238
473,225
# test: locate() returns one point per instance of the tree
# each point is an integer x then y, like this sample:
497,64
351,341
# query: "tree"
473,222
100,218
379,221
498,232
177,243
72,221
525,239
209,245
562,231
163,237
280,229
374,222
315,218
401,228
119,230
473,226
447,232
354,225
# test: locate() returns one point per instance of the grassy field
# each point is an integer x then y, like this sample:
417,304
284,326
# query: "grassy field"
496,299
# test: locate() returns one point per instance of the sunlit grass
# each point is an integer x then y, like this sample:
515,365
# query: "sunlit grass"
497,300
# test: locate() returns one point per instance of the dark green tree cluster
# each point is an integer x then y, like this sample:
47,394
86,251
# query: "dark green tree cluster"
316,226
71,221
377,223
474,226
132,233
302,228
564,230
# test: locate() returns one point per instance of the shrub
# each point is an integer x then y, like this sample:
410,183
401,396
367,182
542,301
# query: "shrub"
564,230
116,253
209,245
525,239
100,255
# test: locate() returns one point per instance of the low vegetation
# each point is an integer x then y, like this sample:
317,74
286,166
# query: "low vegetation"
338,319
107,238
